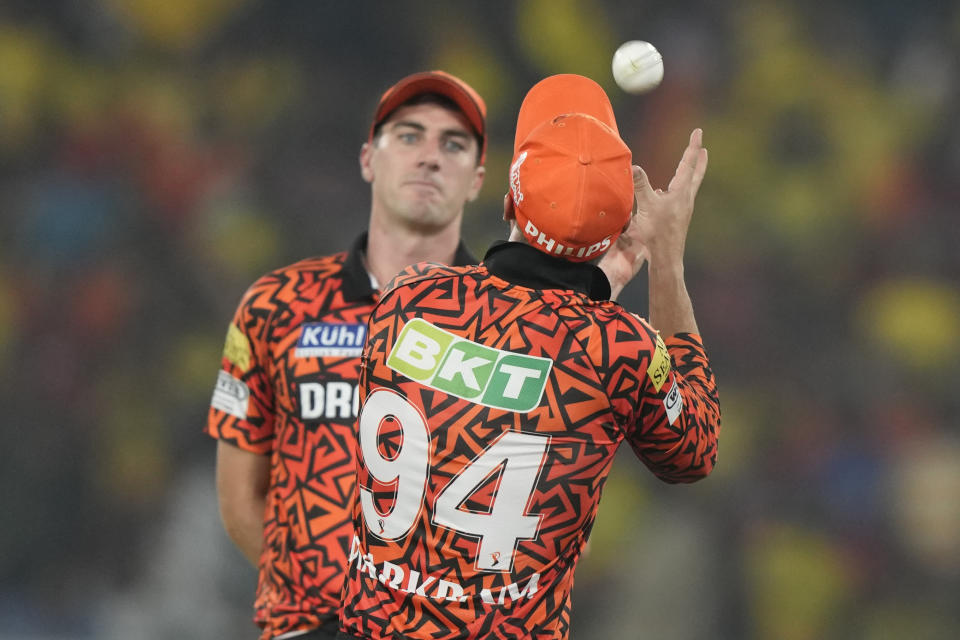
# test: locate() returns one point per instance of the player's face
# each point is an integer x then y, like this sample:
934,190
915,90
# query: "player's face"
423,167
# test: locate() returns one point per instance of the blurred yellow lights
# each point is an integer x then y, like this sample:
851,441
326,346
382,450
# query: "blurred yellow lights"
915,320
174,24
798,583
804,143
25,55
240,239
551,34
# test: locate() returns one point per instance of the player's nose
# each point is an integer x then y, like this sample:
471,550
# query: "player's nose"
430,154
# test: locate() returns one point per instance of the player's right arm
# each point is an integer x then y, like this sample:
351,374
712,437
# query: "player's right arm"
676,424
241,417
242,481
679,422
662,221
657,234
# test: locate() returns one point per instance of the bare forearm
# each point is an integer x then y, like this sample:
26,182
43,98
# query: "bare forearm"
243,478
671,310
662,221
246,531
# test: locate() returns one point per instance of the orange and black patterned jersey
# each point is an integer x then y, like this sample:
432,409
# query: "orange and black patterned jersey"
494,398
288,389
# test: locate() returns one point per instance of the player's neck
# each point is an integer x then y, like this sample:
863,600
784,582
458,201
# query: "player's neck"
390,249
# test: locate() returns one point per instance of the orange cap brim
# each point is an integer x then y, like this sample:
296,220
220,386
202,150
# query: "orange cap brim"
562,94
469,101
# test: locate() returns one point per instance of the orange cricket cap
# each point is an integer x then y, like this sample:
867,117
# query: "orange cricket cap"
571,180
469,101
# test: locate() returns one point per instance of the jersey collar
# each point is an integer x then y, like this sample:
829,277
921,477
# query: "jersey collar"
356,280
520,264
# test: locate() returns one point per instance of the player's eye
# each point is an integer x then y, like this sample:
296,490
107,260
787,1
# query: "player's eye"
454,145
408,137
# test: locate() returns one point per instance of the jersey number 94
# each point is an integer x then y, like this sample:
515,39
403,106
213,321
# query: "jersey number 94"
512,461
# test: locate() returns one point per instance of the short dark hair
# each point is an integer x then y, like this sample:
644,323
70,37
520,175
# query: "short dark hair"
431,98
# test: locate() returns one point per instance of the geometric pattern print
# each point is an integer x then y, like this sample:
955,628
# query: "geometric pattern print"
433,582
312,463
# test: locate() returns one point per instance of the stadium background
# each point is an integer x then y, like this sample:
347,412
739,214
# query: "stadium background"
158,155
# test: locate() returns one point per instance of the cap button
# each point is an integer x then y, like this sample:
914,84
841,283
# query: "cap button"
584,157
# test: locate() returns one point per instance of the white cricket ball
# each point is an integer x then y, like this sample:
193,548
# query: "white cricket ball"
637,66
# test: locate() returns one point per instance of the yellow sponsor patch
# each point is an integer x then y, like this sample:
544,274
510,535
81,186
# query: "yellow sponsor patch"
659,364
237,348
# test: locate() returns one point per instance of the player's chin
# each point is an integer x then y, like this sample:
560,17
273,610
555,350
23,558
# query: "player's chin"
423,201
424,190
429,217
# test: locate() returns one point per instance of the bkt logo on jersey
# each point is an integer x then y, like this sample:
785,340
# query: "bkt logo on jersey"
468,370
319,339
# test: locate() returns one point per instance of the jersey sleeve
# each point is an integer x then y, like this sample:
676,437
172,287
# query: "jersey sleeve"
242,407
673,416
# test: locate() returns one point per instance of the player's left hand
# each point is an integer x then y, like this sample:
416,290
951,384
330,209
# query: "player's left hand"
663,217
658,228
623,261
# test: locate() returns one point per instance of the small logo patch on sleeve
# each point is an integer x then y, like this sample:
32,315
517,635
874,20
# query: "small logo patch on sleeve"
659,364
230,395
237,348
673,403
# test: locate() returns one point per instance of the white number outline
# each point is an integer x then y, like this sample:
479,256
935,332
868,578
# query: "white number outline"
529,445
367,503
541,452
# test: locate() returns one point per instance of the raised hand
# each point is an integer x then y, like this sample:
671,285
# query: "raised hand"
658,230
663,217
623,260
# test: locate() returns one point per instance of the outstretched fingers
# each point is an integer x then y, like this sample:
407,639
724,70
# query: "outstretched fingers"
641,183
699,171
693,164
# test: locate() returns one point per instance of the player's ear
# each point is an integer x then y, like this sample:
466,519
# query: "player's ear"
478,176
508,213
366,165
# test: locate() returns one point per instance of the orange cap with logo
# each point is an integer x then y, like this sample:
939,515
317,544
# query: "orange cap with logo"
571,179
469,101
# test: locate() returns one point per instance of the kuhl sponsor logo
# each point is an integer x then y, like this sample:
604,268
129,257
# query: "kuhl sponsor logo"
331,339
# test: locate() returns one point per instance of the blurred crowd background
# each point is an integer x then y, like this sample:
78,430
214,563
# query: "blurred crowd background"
156,156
